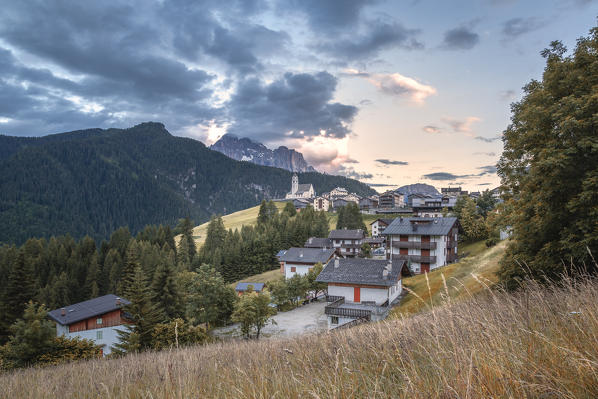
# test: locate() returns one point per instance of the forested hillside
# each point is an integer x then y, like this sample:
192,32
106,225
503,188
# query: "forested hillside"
91,182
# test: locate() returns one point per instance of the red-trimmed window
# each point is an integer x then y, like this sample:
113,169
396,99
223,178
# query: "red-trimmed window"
293,269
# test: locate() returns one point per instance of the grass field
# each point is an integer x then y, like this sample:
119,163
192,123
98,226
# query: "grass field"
260,278
539,343
236,220
457,280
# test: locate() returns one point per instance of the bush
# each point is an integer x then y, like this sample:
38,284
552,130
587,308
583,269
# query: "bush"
492,241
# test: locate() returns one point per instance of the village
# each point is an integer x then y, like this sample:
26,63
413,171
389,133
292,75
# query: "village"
360,271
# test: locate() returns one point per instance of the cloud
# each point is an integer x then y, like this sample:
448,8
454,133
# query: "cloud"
460,38
515,27
446,176
353,174
381,185
350,160
389,162
296,105
461,125
486,139
484,184
396,84
431,129
489,154
507,95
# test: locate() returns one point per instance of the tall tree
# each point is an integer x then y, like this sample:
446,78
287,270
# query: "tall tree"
549,167
185,227
165,290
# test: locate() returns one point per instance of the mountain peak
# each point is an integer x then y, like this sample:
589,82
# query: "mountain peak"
245,149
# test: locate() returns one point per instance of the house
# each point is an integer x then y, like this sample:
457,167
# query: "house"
96,319
378,226
432,204
301,203
321,203
315,242
374,242
453,191
361,289
424,243
367,205
352,198
301,260
339,203
391,200
300,190
347,242
242,288
338,192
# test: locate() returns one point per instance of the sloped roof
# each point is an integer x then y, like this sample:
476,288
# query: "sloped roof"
317,242
303,188
383,220
86,309
280,253
345,234
307,255
257,287
421,226
361,271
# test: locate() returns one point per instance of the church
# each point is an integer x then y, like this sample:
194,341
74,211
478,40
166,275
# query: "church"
300,190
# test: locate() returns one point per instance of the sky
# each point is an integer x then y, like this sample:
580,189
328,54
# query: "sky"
387,92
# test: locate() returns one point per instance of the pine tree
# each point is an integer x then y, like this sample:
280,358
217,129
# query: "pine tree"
289,209
130,265
144,315
186,229
166,292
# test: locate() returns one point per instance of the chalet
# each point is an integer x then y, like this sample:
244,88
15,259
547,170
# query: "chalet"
361,289
339,203
374,242
338,192
424,243
242,288
379,225
315,242
301,260
423,204
453,191
301,203
321,203
352,198
347,242
305,191
97,319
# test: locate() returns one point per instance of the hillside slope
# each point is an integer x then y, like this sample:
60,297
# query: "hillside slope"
539,344
94,181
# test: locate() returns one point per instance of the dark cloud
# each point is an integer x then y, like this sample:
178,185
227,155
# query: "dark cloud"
446,176
460,38
516,27
353,174
379,35
351,160
486,139
390,162
381,185
298,105
329,16
484,184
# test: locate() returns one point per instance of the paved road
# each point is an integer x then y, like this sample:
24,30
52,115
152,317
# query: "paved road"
304,319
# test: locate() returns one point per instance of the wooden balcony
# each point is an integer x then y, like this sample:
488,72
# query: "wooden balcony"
414,244
415,258
334,309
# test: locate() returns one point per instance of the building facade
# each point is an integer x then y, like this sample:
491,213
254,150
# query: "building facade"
302,260
347,242
305,191
378,226
391,199
424,243
97,319
321,204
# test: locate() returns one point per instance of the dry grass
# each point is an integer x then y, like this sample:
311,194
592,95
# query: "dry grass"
459,279
542,343
264,277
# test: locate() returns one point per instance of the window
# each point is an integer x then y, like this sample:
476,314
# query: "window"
99,335
334,319
293,269
99,321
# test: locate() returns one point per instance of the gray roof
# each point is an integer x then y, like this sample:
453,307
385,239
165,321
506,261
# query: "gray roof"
257,287
421,226
84,310
374,240
301,188
317,242
346,234
360,271
307,255
385,221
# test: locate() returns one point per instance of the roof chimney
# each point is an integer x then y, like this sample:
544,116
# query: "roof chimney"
311,239
336,263
301,254
117,301
62,311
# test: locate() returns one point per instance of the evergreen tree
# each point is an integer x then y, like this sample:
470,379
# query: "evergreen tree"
185,228
214,239
144,315
350,217
289,209
130,265
166,291
20,289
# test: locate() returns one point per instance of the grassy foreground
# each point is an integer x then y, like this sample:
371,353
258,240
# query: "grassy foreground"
541,343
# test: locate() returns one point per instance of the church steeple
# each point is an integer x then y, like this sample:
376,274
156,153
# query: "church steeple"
294,184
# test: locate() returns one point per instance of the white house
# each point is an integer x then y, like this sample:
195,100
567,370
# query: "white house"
97,319
300,190
301,260
379,225
339,192
361,288
321,204
424,243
